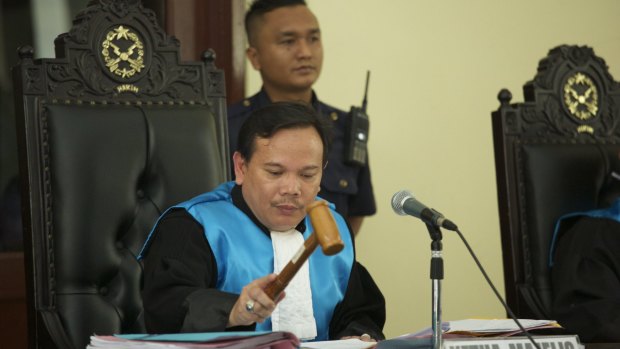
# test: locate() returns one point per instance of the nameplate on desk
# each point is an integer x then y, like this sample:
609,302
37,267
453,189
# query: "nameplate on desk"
544,342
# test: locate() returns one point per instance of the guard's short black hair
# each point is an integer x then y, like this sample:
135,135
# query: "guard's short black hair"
266,121
259,7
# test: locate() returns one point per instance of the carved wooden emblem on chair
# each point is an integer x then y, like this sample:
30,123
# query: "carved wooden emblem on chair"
123,52
581,96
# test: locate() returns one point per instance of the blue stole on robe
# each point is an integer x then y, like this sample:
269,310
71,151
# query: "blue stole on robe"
611,212
243,253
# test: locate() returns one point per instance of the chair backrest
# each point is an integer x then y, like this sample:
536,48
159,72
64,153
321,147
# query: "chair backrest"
551,158
111,132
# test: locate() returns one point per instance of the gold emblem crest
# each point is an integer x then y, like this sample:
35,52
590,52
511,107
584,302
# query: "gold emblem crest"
581,96
123,52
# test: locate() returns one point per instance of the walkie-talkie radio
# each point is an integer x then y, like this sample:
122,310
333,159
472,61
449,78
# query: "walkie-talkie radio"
356,137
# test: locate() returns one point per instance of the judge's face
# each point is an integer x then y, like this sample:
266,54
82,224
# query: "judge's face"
282,177
286,49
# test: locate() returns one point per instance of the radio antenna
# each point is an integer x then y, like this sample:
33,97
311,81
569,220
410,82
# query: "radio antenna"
365,102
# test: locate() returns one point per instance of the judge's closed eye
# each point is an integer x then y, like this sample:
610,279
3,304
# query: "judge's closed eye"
274,173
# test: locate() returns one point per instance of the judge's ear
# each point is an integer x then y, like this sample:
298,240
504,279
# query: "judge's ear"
240,167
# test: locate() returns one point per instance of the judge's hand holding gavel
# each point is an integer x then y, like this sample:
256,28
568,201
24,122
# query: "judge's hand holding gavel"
253,304
259,298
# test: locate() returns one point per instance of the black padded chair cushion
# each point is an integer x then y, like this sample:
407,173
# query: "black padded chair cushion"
558,179
137,160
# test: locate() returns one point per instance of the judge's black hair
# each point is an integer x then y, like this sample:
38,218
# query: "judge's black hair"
266,121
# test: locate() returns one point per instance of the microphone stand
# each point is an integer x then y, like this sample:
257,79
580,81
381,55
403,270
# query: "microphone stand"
436,277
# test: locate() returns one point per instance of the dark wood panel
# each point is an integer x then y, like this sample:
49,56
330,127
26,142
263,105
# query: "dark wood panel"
13,318
220,26
204,24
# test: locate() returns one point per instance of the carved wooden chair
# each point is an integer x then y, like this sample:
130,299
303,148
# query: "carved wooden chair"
551,158
111,132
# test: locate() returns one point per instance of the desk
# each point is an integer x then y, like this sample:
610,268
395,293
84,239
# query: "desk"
13,315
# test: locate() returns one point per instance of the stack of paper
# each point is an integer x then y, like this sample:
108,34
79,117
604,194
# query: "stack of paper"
229,340
476,333
497,327
352,343
484,328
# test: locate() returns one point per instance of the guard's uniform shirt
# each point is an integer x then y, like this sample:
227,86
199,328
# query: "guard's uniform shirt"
348,187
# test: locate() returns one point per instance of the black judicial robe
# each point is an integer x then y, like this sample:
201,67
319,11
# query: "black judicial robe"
180,275
586,279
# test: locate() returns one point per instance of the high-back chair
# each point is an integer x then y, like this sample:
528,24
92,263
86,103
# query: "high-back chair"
111,132
551,158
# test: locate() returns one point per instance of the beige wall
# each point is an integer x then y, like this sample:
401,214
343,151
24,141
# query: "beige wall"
437,66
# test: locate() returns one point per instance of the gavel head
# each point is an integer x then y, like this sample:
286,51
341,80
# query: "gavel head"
325,227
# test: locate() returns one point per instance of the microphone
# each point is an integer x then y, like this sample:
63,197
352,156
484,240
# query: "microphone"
404,203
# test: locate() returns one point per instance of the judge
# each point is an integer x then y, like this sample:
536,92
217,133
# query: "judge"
208,260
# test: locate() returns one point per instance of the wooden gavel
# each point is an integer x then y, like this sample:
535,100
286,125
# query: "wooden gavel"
325,233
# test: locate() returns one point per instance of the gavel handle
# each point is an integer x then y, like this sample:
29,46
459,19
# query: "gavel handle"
289,271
